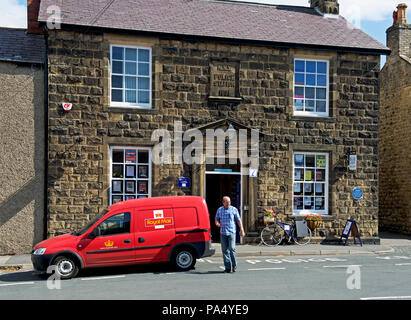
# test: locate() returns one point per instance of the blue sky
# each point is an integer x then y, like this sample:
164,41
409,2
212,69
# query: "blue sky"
372,16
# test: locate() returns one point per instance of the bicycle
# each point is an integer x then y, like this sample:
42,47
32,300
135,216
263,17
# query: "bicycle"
272,235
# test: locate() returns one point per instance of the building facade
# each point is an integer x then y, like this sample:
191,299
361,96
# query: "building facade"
23,145
395,128
312,99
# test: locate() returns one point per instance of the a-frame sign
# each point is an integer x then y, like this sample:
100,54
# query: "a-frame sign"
351,226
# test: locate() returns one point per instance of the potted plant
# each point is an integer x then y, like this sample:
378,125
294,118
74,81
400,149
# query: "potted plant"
269,217
313,221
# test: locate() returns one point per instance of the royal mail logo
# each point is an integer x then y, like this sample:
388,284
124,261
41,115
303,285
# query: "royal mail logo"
109,243
159,221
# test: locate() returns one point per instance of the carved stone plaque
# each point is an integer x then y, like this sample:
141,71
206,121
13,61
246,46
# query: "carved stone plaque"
224,81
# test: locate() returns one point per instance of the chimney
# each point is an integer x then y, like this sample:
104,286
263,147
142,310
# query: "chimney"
33,7
326,6
399,34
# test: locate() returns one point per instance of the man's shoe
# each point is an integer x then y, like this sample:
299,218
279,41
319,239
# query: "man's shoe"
227,271
234,269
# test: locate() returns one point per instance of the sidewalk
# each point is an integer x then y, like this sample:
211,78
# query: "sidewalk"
387,243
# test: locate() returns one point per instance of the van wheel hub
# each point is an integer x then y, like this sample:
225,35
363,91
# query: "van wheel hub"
184,259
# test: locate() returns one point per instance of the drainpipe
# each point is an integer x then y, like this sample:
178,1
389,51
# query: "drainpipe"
46,133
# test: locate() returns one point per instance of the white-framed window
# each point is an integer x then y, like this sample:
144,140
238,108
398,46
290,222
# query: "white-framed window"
130,80
130,173
311,83
310,183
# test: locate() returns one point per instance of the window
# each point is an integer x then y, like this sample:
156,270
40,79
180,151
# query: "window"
310,187
130,173
311,87
117,224
130,76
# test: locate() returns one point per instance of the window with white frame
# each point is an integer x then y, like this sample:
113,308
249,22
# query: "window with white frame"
130,76
311,79
310,185
130,176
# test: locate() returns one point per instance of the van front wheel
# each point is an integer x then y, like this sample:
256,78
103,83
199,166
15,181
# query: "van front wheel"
65,267
184,260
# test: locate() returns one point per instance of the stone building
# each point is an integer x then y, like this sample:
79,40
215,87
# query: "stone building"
23,147
395,128
304,77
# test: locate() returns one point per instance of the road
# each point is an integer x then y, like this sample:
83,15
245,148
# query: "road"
352,277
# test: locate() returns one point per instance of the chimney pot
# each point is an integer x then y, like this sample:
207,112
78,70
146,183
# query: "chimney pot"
402,13
33,7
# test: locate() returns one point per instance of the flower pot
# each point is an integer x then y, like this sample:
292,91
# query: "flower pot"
269,220
313,224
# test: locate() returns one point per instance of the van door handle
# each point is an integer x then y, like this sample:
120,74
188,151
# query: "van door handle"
127,241
141,240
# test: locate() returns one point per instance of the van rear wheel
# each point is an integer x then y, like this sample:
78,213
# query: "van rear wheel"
184,260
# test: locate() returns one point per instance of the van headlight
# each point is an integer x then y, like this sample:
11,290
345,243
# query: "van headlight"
39,251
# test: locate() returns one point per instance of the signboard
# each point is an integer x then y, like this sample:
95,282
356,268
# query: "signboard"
184,182
253,173
353,162
350,227
224,80
357,193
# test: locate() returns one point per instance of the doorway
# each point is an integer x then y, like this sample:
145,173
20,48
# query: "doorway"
219,185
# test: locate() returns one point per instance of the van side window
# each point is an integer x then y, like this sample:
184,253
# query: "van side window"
117,224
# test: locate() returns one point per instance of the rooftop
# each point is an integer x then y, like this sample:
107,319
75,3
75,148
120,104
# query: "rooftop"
238,21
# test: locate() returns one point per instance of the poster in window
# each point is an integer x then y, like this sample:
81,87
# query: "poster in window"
308,188
319,203
298,190
308,203
298,174
130,187
319,189
116,199
299,160
130,197
117,171
140,196
131,156
117,186
143,171
142,187
309,174
298,203
320,175
320,161
130,171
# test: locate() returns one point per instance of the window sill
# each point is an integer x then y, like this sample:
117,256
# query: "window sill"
299,217
312,118
132,110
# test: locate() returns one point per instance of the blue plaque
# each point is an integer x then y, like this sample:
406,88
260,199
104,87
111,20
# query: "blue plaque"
184,182
357,193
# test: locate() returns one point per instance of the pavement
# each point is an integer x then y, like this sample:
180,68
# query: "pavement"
388,242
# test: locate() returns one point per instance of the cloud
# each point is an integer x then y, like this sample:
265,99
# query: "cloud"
370,10
13,14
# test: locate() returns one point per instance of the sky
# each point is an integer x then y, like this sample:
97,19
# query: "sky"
372,16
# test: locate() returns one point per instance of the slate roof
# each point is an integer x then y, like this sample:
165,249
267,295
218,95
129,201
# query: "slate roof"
217,19
18,46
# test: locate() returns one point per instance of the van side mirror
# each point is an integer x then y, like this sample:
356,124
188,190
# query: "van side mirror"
95,233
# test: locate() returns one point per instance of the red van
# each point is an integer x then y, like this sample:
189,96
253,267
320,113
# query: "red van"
151,230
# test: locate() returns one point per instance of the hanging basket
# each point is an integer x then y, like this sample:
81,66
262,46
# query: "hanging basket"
269,220
313,224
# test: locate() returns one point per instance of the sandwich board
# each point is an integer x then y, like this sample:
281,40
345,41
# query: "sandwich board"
351,227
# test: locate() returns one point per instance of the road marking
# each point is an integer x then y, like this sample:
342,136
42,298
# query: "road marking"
261,269
103,278
386,298
344,266
15,284
403,264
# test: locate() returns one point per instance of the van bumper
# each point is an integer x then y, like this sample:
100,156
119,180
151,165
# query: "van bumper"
41,262
209,250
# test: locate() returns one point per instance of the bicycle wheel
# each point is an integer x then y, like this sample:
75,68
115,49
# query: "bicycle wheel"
271,235
302,240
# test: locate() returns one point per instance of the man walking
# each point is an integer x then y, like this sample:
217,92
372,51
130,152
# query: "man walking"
225,219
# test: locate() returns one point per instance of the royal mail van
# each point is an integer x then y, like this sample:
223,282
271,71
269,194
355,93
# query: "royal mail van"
151,230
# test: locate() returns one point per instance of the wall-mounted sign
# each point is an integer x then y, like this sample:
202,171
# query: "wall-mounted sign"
253,173
184,182
352,162
357,193
224,81
67,106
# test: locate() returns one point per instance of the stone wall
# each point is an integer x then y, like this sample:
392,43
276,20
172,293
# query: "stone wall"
79,73
22,157
395,155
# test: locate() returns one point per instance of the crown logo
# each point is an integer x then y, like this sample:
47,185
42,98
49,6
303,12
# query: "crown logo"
109,243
